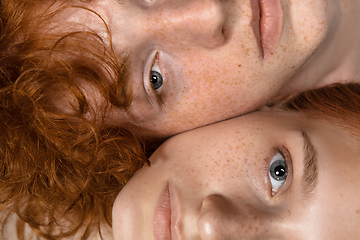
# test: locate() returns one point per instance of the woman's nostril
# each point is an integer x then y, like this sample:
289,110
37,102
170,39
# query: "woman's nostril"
206,202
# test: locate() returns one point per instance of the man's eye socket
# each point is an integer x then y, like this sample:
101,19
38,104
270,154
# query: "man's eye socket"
277,171
156,80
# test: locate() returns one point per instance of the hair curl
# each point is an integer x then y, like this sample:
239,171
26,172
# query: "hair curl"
60,170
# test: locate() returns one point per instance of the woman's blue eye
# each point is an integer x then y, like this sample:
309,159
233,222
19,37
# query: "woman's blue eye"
156,80
277,171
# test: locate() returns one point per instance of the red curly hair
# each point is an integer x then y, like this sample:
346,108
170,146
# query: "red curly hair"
60,170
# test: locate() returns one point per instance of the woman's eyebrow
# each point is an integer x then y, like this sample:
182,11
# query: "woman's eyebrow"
309,178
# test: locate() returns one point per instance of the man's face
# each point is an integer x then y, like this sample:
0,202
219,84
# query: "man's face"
195,62
265,175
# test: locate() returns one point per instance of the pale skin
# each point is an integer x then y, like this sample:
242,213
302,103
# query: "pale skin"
211,57
209,54
219,185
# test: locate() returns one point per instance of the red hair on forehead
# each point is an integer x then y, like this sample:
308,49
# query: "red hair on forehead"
340,102
59,170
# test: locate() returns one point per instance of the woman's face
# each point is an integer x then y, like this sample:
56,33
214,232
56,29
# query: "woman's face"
265,175
217,59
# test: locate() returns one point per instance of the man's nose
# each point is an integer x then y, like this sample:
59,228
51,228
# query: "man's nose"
221,219
189,22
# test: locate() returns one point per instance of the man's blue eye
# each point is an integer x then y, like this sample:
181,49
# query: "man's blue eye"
277,171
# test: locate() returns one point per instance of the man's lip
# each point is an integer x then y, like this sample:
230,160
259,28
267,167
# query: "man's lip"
271,24
162,216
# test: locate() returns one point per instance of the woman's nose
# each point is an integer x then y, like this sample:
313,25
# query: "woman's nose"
221,219
189,22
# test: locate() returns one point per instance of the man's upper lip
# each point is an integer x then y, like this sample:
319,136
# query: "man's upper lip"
271,24
162,216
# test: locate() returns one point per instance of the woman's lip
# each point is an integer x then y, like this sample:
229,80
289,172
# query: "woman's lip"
175,214
162,216
271,24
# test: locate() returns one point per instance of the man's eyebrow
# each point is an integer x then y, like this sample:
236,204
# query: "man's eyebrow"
309,178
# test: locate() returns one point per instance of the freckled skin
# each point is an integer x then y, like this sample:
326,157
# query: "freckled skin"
211,56
220,176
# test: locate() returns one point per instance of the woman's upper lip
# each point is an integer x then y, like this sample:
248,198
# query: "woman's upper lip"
271,24
162,216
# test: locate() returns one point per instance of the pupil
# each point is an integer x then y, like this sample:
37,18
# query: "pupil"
280,171
154,79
